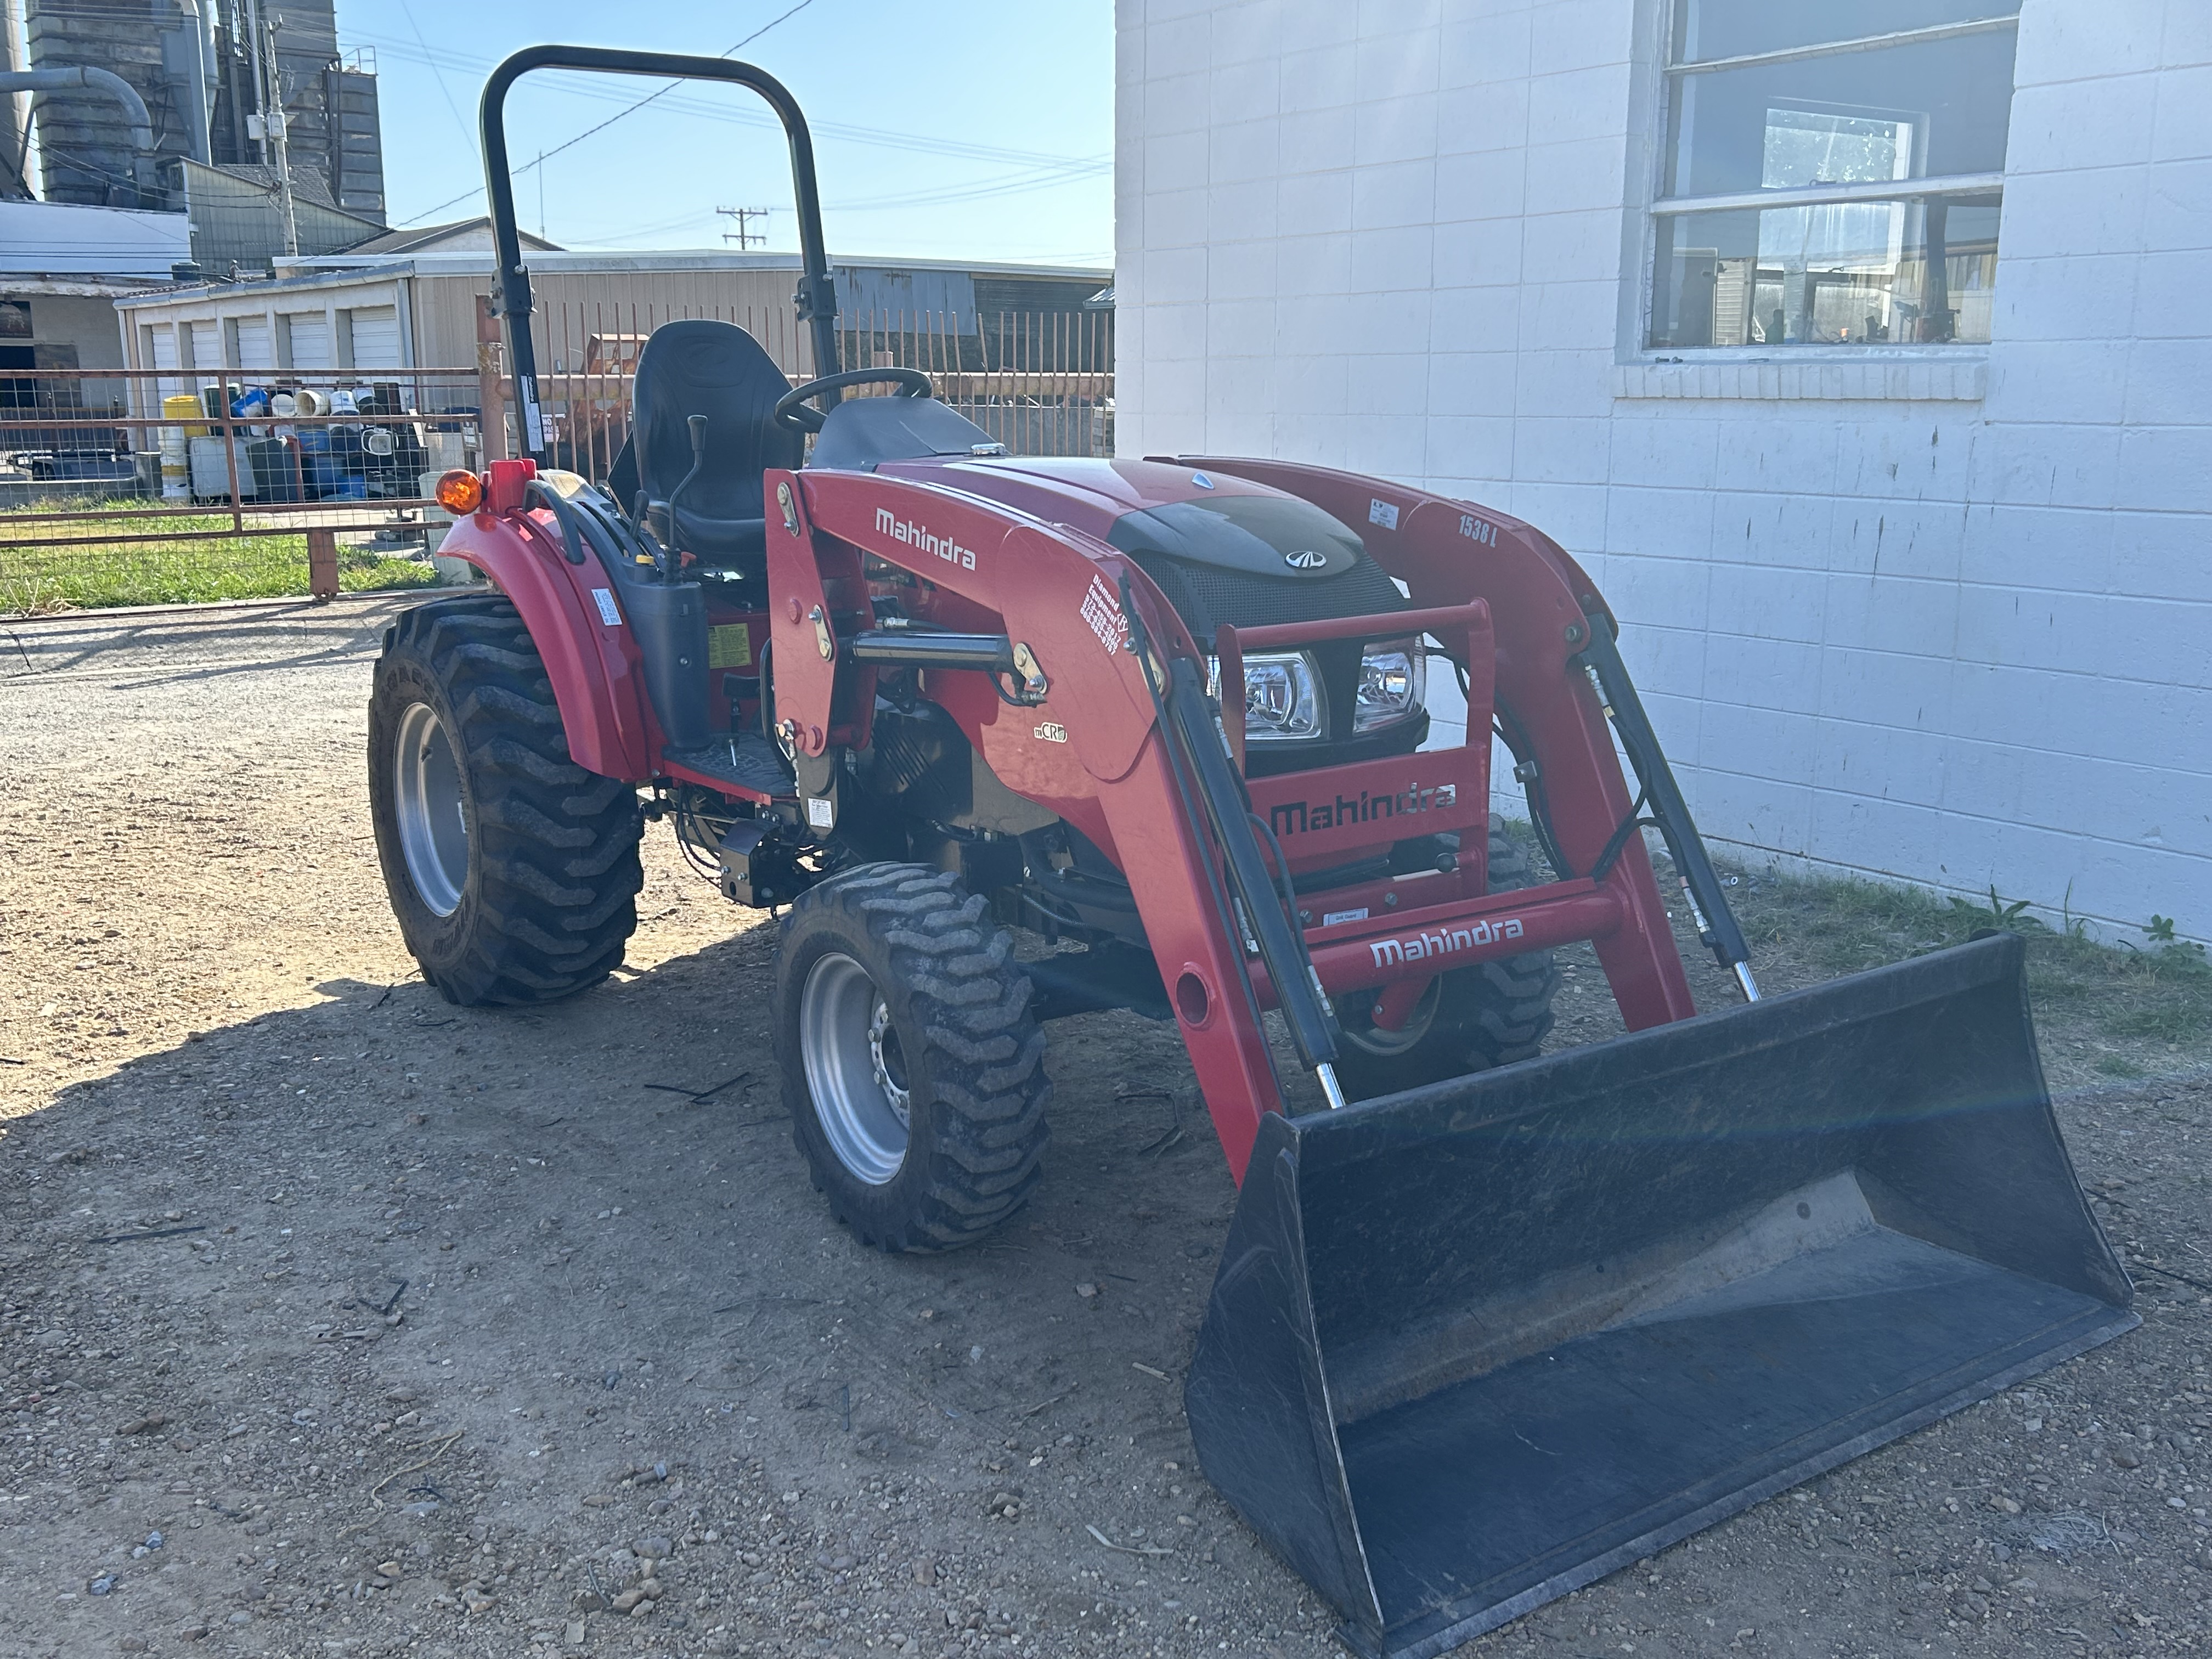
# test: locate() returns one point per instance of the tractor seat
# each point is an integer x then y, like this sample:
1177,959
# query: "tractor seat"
703,366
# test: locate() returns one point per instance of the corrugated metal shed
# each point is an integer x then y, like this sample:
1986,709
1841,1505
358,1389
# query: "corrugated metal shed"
592,309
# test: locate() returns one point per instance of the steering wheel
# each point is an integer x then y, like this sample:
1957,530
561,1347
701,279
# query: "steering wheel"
791,410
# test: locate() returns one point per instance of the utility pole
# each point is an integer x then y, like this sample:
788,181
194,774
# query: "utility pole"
744,235
273,129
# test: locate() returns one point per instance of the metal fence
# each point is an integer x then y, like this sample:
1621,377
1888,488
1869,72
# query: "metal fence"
152,486
1042,384
129,487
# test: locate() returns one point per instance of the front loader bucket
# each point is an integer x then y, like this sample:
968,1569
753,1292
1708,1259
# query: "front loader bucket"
1476,1344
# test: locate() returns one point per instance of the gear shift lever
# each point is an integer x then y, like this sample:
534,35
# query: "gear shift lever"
672,569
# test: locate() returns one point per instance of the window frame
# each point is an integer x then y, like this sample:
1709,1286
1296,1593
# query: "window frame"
1665,78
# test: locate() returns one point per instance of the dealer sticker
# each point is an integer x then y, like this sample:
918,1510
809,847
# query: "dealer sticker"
608,613
1102,611
1381,512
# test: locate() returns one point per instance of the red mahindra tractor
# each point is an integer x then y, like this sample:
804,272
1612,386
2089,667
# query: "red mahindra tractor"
1487,1325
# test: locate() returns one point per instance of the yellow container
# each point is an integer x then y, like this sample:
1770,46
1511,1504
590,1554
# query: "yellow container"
176,472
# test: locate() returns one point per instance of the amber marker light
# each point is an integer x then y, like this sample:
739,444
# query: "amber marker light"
460,492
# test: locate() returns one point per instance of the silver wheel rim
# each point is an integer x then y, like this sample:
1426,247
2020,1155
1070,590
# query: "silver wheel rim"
1365,1034
856,1070
434,834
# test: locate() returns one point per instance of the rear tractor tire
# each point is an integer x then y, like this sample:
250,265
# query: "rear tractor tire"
1469,1020
912,1068
513,872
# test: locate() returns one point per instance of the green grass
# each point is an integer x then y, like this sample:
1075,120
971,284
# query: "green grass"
39,580
2160,992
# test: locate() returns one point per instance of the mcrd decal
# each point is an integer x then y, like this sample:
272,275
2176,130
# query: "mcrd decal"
1052,731
1296,817
923,539
1445,940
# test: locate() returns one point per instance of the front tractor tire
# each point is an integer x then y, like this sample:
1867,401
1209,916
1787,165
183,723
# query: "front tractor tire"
1470,1019
513,871
912,1067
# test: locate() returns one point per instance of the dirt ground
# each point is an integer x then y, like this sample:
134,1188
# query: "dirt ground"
335,1320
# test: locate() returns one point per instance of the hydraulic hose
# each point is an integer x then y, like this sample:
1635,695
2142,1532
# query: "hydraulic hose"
1709,906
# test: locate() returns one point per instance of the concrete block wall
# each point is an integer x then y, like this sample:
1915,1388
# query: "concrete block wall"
1947,618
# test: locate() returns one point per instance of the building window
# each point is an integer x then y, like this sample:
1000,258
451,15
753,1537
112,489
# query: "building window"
1833,171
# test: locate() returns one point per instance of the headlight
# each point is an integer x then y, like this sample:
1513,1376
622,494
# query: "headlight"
1282,696
1393,679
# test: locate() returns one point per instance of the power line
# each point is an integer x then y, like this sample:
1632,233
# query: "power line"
596,88
444,91
631,110
1011,185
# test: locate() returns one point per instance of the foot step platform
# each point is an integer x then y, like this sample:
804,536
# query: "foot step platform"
744,761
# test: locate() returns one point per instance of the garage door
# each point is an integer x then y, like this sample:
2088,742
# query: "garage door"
251,335
375,337
161,353
207,344
311,339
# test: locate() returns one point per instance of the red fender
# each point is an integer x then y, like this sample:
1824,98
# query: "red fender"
592,662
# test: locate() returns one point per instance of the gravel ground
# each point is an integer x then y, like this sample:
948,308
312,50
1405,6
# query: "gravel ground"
336,1319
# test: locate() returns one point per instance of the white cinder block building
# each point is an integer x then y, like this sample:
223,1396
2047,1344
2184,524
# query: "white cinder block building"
1863,351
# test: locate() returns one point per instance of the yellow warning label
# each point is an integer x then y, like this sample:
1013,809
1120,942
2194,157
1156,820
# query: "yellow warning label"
729,646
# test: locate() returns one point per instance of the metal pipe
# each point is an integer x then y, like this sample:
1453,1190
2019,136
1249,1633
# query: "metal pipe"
87,78
260,79
14,109
197,87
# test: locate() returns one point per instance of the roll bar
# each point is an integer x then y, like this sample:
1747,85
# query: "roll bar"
816,298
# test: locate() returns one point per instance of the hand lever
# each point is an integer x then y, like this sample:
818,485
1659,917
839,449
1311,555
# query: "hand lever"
698,425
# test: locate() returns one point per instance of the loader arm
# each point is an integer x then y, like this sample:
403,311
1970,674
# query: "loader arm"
1545,612
1111,770
1172,815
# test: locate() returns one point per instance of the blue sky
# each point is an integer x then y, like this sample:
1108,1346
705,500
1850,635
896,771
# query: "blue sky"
955,133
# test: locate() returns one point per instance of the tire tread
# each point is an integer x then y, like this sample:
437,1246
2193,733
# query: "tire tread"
985,1053
556,853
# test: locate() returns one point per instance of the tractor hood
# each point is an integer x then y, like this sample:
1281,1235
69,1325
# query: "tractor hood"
1222,548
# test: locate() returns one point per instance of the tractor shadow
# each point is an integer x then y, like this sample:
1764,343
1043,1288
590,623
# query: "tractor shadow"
580,1236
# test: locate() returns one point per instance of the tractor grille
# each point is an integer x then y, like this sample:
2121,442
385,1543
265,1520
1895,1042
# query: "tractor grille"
1204,596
